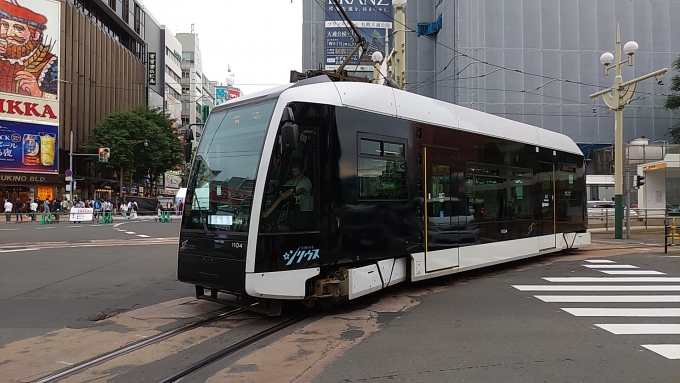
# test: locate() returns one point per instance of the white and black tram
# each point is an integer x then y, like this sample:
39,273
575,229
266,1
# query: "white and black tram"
321,191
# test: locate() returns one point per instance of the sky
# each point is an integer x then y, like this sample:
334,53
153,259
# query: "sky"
260,39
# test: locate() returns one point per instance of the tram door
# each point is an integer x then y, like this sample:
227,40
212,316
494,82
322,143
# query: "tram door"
444,210
547,223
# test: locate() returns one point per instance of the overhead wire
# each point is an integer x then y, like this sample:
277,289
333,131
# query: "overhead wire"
501,66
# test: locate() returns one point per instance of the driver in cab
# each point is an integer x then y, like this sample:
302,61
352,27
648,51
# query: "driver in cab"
299,187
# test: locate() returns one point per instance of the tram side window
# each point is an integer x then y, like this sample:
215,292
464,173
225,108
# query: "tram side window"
499,193
381,170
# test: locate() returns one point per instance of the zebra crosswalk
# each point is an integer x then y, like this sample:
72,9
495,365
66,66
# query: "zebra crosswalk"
635,286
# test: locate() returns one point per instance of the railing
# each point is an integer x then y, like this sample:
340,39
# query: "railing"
670,233
59,215
605,218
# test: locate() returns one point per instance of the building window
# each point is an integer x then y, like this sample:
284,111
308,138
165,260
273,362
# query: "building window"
382,170
112,5
172,74
185,90
173,93
185,74
138,19
172,56
126,11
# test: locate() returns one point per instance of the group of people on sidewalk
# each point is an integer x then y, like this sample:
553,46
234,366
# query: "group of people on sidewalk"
30,209
55,208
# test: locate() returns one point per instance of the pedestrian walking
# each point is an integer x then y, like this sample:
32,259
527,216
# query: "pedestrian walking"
56,207
46,208
34,209
133,209
98,206
18,206
8,210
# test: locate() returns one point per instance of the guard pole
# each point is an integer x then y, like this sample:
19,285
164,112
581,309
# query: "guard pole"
627,187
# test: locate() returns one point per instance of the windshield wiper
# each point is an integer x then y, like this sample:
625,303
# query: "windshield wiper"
203,217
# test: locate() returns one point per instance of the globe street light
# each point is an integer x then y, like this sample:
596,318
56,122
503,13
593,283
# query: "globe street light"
616,97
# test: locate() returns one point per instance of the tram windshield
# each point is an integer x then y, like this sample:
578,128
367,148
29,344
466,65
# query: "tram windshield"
223,178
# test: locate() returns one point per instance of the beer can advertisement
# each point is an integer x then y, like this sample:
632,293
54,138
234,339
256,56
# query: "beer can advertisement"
28,147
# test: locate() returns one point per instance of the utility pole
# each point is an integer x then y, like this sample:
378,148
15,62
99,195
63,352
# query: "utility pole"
70,166
400,43
622,95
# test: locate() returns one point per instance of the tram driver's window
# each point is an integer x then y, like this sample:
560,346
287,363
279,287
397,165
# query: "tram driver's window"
381,170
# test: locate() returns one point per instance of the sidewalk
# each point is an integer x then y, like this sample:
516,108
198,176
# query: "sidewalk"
63,218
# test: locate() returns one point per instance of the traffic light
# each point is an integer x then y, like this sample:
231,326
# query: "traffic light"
104,154
639,181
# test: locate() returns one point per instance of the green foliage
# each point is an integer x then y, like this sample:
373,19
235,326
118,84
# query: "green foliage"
673,101
125,134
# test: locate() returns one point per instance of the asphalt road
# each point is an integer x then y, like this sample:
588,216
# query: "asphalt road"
528,321
30,233
70,276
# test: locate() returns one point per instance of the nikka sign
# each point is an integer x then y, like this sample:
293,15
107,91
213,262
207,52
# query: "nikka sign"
31,110
29,61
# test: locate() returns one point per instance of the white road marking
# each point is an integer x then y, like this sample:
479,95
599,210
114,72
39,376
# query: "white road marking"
596,288
75,226
670,351
641,328
130,232
631,272
599,261
9,229
611,266
613,279
66,363
143,235
622,312
17,250
43,228
609,298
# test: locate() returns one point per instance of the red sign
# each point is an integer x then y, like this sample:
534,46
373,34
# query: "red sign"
26,109
233,93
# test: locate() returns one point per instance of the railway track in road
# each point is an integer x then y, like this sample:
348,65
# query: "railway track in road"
240,345
134,347
87,367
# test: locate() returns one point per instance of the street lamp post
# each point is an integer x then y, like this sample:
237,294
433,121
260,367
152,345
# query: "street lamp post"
622,95
400,43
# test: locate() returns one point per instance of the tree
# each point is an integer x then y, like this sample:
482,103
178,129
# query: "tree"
142,142
673,101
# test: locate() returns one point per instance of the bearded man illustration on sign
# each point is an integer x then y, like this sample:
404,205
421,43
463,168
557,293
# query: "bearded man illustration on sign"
27,67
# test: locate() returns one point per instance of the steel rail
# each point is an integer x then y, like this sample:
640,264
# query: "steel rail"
133,347
234,348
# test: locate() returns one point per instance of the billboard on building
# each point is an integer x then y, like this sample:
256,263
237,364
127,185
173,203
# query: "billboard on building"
29,85
373,18
226,93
